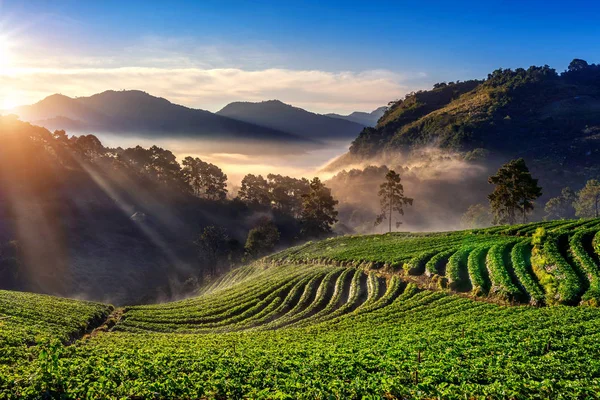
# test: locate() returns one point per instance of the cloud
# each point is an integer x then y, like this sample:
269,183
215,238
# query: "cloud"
212,88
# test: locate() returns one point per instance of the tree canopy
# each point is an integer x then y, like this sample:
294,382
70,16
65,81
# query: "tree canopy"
318,210
515,191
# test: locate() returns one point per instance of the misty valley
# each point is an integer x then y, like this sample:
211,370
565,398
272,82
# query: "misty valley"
298,200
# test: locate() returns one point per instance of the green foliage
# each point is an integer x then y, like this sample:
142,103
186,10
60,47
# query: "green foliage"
520,257
320,320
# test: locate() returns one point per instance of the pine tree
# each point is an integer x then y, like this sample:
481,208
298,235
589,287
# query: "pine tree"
391,193
515,192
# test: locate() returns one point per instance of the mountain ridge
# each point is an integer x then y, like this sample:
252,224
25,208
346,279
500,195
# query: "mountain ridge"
279,115
139,113
364,118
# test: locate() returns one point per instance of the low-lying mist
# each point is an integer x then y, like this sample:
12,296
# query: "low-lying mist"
240,157
442,183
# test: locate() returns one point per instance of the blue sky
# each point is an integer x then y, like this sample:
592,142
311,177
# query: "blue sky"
353,44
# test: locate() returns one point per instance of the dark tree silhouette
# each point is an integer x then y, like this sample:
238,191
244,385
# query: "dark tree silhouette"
391,193
515,191
206,180
318,210
262,239
255,191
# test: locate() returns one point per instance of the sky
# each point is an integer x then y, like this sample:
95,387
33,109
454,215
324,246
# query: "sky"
325,56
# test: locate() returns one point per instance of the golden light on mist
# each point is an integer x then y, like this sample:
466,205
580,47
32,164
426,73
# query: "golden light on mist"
7,99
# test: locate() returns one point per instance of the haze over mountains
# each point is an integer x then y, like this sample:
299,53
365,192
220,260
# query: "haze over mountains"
363,118
136,113
278,115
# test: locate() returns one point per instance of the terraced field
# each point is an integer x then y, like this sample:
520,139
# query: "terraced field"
505,312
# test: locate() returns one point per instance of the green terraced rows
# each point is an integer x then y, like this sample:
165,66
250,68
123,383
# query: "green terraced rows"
385,316
498,263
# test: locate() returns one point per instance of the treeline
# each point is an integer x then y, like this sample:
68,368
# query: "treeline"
64,197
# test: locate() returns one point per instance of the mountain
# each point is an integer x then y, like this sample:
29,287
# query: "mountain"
277,115
535,112
134,112
550,119
363,118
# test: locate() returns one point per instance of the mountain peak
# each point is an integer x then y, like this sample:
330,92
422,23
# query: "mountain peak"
279,115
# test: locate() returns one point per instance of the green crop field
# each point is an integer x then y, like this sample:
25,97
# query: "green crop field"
505,312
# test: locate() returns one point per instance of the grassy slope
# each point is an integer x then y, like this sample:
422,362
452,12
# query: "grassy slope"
349,333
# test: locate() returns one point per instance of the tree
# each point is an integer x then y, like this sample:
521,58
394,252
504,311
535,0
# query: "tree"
561,207
515,191
156,163
255,190
477,216
206,180
215,249
577,65
286,193
262,239
587,204
318,210
391,193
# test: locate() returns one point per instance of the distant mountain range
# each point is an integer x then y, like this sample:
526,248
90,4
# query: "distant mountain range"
277,115
363,118
136,113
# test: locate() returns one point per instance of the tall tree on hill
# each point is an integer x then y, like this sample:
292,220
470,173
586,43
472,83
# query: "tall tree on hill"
515,192
318,210
391,193
587,204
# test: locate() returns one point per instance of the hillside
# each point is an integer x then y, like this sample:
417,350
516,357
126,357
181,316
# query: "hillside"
277,115
363,118
356,316
134,112
67,225
552,120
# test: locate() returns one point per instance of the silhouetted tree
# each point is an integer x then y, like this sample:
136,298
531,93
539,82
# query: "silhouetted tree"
206,180
515,191
391,193
318,210
561,207
255,190
215,249
577,65
156,163
262,239
286,193
587,204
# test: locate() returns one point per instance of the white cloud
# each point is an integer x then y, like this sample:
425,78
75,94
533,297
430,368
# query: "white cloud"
211,89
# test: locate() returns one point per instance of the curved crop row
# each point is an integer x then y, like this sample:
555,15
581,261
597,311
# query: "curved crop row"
502,284
569,286
520,257
477,271
587,264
